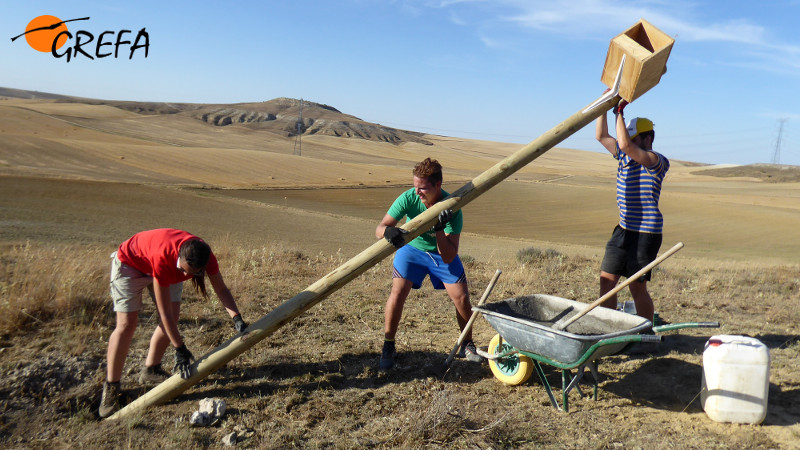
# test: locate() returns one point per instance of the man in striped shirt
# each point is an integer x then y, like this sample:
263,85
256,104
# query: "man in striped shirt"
637,238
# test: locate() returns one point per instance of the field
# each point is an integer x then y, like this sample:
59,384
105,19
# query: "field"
78,177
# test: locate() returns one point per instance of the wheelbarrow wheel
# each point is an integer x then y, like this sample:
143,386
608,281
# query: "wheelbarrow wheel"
512,370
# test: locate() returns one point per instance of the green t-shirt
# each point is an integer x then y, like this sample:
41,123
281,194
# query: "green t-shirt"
409,204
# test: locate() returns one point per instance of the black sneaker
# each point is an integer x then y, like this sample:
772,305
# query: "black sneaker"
469,351
387,356
152,375
109,403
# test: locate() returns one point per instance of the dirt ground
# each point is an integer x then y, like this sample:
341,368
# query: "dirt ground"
314,382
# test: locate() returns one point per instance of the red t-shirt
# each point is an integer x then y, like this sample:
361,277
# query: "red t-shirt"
155,253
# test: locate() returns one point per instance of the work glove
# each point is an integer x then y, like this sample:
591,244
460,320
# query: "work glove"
617,110
239,323
444,217
183,361
395,236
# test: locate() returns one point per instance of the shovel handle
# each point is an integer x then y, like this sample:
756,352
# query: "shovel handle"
472,318
621,286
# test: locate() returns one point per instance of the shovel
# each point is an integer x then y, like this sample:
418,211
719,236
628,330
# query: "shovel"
472,318
619,287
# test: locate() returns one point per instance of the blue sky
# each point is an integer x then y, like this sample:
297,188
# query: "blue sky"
500,70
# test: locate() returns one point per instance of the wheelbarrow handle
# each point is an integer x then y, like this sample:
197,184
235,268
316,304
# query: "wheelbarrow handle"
626,338
678,326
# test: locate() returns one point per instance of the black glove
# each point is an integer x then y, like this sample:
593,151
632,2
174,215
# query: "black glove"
444,217
183,361
395,236
239,323
617,110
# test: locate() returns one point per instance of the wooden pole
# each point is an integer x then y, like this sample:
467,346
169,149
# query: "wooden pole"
283,314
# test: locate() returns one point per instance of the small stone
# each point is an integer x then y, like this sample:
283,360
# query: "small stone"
230,439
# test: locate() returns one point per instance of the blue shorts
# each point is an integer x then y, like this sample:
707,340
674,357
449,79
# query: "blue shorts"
413,264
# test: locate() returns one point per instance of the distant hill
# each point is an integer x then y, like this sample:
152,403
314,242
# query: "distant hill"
19,93
771,173
277,115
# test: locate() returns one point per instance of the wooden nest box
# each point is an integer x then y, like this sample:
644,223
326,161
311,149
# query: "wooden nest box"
646,50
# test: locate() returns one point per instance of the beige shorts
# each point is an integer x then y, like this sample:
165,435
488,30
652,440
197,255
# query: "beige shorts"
127,285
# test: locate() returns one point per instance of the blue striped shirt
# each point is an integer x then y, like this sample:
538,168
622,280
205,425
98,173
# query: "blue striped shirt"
638,191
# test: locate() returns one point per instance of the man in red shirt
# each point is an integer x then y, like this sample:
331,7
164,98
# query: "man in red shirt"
159,260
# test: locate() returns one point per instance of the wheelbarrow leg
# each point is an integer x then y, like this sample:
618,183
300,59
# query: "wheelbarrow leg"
569,382
595,376
573,381
543,378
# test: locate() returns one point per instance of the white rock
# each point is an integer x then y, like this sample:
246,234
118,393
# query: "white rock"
200,419
214,407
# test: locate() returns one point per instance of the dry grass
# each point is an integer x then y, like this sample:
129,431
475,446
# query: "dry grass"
314,382
50,284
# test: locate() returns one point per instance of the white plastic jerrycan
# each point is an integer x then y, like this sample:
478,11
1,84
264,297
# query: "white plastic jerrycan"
735,379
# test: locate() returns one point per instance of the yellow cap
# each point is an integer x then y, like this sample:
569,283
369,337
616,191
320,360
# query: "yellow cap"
639,125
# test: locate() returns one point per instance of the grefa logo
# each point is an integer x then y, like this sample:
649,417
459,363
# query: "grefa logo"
50,34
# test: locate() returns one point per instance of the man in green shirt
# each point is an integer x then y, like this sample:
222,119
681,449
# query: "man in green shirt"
434,254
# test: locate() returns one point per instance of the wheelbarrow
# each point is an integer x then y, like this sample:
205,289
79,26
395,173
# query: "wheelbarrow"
526,338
